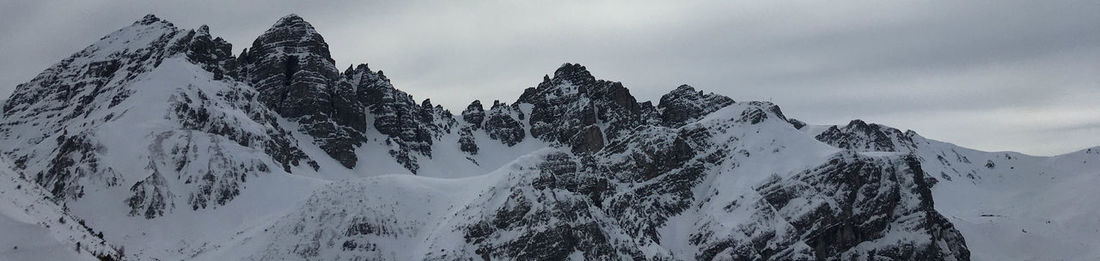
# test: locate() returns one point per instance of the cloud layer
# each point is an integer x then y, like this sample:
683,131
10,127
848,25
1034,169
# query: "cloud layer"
1004,75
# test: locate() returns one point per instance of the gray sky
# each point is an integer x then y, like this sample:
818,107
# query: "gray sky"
991,75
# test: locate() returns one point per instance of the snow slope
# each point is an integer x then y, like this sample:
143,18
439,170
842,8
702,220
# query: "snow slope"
195,214
550,204
1024,207
34,228
1009,206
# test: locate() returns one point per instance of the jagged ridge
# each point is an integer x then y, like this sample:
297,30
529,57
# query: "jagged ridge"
698,176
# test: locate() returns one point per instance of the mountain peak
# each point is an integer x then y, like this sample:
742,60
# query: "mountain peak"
293,20
684,88
685,104
862,136
291,17
574,72
293,25
858,124
148,19
291,36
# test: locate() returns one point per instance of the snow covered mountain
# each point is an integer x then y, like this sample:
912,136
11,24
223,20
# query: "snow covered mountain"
168,147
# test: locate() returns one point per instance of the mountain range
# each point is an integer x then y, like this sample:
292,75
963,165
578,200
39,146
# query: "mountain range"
158,143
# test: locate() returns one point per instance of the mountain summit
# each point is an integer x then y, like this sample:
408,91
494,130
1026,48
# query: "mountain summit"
160,142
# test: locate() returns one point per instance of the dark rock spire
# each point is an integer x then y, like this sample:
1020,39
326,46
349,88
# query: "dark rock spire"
291,67
575,73
474,114
569,106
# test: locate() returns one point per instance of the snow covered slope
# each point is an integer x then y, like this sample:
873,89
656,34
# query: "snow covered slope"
142,134
149,135
1008,205
740,183
34,228
170,146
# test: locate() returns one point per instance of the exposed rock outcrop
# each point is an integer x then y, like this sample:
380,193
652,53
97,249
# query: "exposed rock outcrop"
684,104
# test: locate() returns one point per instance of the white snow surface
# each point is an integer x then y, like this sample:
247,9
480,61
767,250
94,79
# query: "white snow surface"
1024,207
32,227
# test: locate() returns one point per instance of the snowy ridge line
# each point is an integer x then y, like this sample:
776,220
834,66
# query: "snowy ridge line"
173,148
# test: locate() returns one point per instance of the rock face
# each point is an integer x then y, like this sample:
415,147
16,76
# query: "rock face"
685,105
847,209
59,126
290,67
474,114
410,128
565,108
619,202
860,136
503,123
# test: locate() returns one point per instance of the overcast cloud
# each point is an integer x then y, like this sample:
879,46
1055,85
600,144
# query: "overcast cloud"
992,75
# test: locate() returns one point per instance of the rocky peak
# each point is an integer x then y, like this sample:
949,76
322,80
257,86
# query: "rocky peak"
410,127
69,88
356,70
858,124
289,19
861,136
760,112
569,80
291,52
212,54
474,114
685,104
569,106
117,59
291,36
70,110
575,73
148,20
295,36
363,78
295,75
475,106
